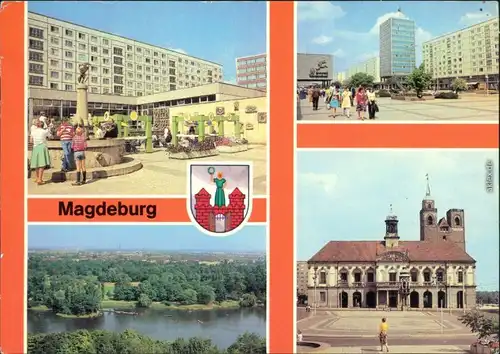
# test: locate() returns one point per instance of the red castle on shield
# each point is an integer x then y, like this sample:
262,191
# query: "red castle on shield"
232,215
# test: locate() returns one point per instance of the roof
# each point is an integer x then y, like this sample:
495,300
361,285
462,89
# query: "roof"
369,251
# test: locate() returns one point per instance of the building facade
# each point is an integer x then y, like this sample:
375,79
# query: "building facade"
251,71
341,76
302,273
471,54
315,69
397,47
118,65
435,272
370,66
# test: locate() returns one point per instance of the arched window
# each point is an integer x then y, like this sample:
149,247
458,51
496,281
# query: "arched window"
457,220
430,220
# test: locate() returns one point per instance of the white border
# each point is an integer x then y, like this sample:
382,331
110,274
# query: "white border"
249,196
295,174
25,127
268,166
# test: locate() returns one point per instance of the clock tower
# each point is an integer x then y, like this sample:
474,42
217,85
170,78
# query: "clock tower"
428,216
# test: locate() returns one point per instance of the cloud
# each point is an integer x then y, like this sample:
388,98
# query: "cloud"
326,181
472,18
365,56
318,10
339,53
322,40
178,50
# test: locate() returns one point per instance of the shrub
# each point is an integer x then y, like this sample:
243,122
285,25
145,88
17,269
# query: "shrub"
194,145
446,95
383,93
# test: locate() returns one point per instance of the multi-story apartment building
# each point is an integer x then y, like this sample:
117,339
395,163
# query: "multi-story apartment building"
370,66
397,47
341,76
251,71
302,273
470,53
118,65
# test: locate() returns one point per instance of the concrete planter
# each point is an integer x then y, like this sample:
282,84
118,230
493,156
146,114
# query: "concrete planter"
193,154
480,349
412,98
226,149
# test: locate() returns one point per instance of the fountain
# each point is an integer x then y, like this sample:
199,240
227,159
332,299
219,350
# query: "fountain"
104,157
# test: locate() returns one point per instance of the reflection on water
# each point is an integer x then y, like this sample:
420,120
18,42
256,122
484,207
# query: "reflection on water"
221,326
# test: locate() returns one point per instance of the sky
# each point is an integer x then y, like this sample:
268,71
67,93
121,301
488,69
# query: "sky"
345,195
144,237
214,31
349,29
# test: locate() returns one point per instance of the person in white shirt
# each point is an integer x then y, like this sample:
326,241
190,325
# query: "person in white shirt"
43,119
40,158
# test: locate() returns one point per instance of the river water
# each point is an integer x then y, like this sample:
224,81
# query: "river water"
222,326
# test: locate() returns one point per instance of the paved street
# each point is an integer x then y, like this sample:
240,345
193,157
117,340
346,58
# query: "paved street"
470,107
355,331
159,175
400,349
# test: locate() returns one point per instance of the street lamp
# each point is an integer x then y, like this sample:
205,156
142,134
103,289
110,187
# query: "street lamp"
487,84
434,277
315,277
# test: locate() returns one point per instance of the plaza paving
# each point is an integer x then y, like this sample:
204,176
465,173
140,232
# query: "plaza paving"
355,331
470,107
159,175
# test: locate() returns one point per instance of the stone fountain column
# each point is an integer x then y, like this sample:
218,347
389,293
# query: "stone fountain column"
82,110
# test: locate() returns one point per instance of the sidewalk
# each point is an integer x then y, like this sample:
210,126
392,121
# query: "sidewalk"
424,349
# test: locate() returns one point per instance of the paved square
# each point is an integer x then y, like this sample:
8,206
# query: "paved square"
365,323
159,175
470,107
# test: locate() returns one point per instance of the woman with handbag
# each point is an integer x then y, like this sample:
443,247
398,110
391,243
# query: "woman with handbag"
372,105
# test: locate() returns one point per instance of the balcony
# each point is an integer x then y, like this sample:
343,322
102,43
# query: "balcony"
389,284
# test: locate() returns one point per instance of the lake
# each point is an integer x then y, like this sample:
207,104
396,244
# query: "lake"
222,326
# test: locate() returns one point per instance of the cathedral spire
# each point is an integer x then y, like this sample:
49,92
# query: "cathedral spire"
428,188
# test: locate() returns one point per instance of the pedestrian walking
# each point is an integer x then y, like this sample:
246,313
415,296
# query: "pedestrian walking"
382,335
315,98
361,103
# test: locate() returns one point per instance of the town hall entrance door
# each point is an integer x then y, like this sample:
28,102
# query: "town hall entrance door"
393,298
371,299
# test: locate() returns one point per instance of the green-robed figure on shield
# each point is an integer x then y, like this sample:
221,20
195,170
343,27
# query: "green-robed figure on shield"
220,184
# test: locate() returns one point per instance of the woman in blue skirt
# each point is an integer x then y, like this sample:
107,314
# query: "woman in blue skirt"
334,102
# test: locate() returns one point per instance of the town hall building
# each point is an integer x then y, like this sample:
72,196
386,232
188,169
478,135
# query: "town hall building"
434,272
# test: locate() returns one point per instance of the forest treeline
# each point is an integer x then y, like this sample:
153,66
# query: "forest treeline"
131,342
78,287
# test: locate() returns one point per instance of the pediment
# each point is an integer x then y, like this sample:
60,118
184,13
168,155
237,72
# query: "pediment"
393,256
443,222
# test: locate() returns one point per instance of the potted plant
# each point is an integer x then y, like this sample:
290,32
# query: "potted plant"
486,330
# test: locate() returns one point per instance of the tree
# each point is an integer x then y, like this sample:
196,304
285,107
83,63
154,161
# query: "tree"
419,80
144,301
206,295
361,79
248,300
459,84
481,325
248,343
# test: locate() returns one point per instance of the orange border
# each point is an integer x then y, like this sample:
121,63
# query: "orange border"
397,135
167,210
282,98
12,140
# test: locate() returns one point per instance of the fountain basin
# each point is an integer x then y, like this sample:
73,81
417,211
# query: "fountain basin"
99,153
311,347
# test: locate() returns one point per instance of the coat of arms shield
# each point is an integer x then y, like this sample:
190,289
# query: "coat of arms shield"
220,196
